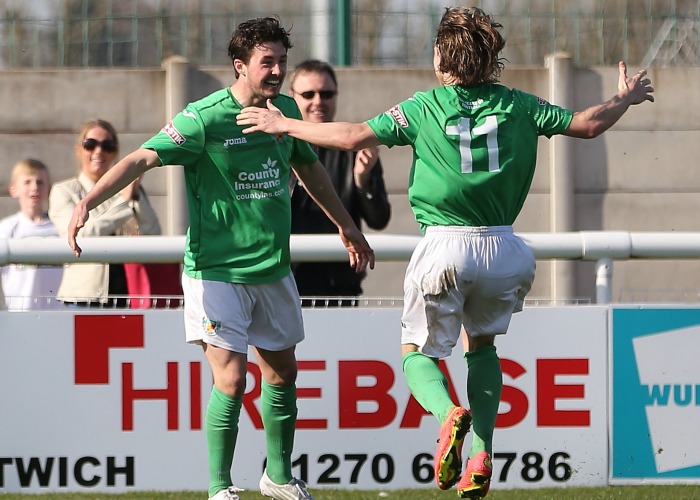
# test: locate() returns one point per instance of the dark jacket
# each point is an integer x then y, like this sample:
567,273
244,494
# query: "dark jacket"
329,279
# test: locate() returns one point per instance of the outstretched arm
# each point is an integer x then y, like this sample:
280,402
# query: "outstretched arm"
597,119
316,182
114,180
339,135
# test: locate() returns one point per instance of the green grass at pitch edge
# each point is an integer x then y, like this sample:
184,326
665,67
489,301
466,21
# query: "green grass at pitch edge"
646,492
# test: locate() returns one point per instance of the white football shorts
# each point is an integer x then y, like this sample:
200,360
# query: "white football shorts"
475,277
234,315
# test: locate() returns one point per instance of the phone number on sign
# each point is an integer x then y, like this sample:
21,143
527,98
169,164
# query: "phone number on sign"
346,469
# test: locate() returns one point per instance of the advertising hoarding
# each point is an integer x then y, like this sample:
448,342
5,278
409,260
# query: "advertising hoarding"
655,390
111,401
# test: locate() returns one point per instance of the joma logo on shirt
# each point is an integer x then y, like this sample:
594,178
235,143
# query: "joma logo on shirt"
234,141
398,116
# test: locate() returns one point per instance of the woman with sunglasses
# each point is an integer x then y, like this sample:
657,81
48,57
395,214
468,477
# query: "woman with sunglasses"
96,284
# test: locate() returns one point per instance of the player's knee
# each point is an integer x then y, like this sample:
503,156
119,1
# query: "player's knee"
231,384
480,341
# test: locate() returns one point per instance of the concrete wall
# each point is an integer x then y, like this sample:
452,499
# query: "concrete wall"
638,176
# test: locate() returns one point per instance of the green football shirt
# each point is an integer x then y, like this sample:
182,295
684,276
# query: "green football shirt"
237,189
474,150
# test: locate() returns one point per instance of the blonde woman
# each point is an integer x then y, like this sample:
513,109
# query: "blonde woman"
97,284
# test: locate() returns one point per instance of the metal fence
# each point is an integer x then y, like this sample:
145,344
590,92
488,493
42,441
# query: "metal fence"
601,247
141,33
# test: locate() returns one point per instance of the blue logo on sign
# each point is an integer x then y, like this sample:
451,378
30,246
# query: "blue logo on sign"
655,393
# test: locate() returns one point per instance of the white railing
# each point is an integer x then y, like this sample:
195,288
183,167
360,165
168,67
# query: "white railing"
603,247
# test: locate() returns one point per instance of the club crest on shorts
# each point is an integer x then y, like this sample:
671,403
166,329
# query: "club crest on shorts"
210,326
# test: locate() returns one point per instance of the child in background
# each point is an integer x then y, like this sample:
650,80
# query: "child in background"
27,286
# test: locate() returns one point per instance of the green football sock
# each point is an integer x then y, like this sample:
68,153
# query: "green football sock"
279,416
428,384
484,384
221,426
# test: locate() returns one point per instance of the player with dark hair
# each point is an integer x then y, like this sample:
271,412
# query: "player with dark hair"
237,282
475,145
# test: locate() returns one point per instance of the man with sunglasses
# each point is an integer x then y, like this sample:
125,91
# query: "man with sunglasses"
357,178
238,286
